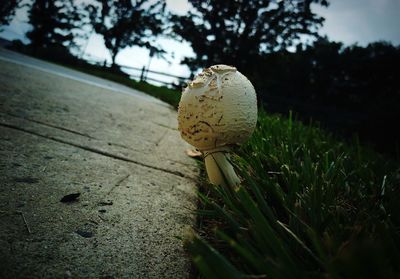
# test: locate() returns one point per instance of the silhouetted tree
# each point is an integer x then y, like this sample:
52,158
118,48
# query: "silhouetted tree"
52,23
124,23
7,11
239,31
349,89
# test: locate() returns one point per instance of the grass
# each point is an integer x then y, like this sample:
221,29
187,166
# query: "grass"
310,206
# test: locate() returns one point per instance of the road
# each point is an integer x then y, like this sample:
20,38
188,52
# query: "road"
20,59
63,132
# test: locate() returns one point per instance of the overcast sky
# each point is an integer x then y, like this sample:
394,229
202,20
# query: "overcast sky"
362,21
349,21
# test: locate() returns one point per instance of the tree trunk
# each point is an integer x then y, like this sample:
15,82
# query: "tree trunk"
113,55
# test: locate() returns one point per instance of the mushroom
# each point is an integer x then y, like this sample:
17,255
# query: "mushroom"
217,110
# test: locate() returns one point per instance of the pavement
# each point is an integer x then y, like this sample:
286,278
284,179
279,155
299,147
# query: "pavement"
94,181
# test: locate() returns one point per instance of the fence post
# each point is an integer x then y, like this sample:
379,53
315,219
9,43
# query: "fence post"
142,77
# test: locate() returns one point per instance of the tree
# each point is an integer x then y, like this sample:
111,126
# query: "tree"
124,23
237,32
53,23
7,11
348,89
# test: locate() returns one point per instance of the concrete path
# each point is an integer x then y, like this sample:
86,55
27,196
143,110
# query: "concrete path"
63,132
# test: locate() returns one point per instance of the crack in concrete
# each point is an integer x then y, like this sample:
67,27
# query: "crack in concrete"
94,150
119,182
123,146
164,134
165,126
68,130
51,125
161,138
122,180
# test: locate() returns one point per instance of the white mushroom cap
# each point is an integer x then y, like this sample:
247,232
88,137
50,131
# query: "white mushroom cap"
218,108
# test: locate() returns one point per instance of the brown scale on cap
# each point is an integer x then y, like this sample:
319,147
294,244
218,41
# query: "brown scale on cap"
217,96
217,110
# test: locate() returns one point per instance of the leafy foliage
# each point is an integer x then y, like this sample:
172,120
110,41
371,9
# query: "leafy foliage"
53,23
309,207
348,89
127,23
238,32
7,11
329,72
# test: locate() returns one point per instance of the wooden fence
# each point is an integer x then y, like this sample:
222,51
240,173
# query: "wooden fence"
142,74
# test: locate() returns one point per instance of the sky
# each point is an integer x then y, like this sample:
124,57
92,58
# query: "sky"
361,21
349,21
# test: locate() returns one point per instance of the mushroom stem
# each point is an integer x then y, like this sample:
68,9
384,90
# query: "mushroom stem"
220,171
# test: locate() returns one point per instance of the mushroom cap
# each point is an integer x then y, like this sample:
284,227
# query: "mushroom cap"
218,108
